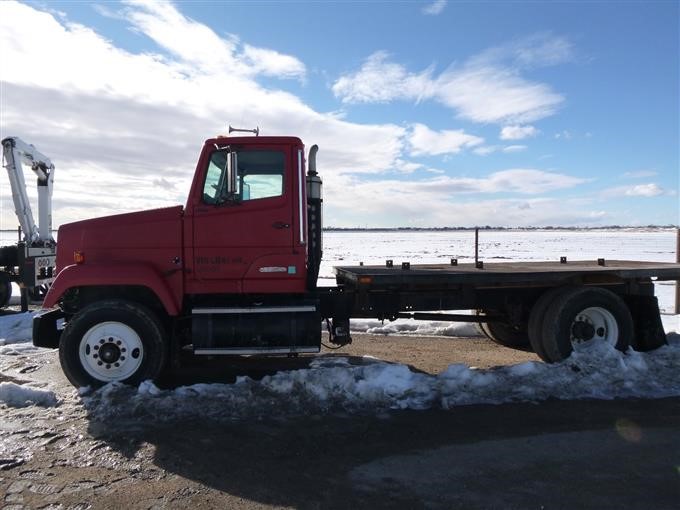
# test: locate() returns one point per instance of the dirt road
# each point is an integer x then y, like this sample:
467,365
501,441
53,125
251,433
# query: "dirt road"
557,454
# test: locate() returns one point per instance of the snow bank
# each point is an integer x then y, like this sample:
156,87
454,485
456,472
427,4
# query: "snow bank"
340,384
16,395
671,323
16,328
596,371
412,327
408,327
18,349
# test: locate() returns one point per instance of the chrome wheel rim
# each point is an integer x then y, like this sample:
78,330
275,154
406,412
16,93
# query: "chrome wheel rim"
111,351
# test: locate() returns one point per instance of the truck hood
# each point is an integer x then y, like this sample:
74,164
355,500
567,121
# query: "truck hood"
121,237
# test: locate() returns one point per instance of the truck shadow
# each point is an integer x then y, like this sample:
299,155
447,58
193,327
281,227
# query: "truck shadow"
308,461
217,370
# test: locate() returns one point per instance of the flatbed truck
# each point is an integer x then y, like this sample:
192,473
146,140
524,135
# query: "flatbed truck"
234,273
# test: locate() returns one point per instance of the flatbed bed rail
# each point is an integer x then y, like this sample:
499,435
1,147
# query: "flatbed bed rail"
501,274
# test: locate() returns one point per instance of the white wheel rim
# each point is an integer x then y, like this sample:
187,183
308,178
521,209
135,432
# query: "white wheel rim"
594,324
111,351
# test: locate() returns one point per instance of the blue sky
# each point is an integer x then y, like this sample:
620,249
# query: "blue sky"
426,113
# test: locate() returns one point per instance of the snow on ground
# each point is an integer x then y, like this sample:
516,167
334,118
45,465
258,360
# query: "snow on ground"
15,339
339,384
15,328
15,351
17,395
671,323
411,327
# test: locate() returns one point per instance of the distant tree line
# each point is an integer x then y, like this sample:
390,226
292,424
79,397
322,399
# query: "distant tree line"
488,227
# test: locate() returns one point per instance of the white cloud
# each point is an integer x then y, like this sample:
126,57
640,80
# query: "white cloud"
528,181
381,81
514,148
488,88
543,49
425,141
444,200
435,7
645,190
641,190
272,63
199,46
163,183
517,132
640,174
485,149
565,135
407,167
516,180
490,94
537,50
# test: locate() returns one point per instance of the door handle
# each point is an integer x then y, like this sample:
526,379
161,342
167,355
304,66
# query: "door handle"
280,224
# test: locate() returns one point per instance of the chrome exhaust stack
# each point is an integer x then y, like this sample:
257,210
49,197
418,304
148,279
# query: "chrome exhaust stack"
314,219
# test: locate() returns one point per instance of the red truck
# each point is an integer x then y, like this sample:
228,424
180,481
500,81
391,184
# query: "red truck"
234,272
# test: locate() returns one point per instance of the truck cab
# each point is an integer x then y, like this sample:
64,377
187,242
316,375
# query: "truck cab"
228,273
245,228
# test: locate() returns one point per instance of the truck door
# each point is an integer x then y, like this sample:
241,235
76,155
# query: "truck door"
249,234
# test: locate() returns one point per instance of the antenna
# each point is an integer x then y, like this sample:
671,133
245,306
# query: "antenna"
239,130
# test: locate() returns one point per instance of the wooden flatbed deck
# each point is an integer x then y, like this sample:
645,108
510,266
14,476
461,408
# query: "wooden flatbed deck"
505,273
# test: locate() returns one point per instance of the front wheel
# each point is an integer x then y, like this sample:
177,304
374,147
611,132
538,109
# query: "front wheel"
112,341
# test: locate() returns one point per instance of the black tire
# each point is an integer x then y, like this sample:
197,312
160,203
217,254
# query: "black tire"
506,335
82,330
5,289
535,327
560,321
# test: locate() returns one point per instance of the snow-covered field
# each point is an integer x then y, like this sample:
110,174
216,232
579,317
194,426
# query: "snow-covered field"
333,383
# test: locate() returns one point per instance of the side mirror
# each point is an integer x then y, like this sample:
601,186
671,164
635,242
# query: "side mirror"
232,173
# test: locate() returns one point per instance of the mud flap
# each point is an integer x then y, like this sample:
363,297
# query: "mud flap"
649,332
45,332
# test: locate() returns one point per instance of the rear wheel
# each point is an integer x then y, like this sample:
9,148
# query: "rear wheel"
535,328
5,289
506,334
581,315
112,341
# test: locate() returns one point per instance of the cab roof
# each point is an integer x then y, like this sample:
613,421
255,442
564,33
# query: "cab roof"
255,140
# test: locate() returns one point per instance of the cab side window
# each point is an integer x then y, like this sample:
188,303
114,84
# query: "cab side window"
260,175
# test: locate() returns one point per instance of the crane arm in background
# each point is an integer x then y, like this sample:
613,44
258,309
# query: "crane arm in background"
15,152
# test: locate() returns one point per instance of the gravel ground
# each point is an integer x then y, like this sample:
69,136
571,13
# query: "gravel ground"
557,454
